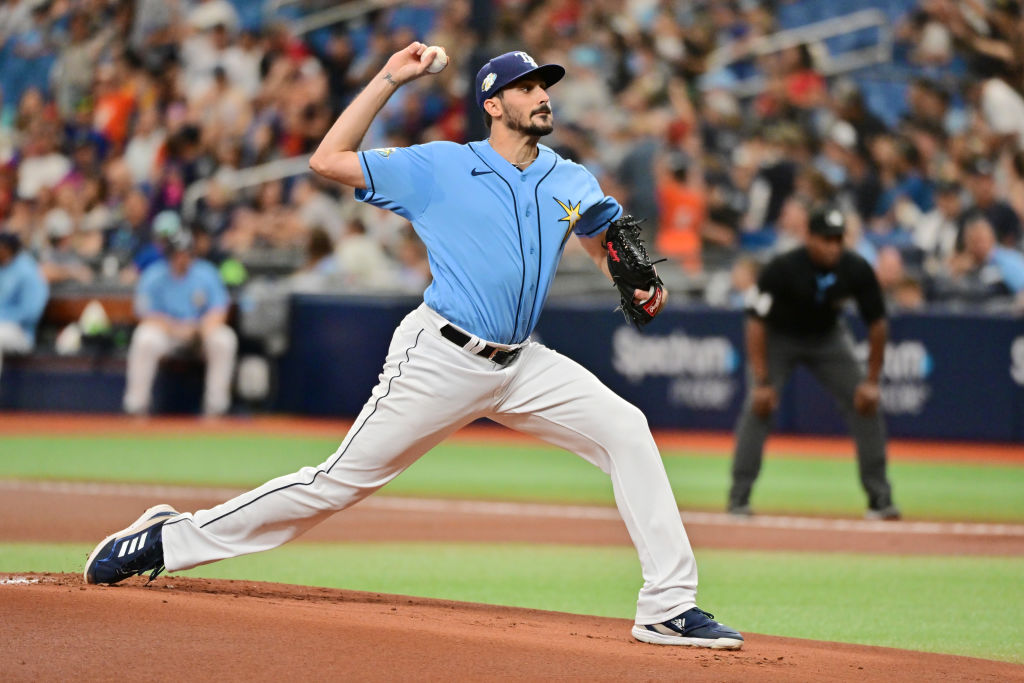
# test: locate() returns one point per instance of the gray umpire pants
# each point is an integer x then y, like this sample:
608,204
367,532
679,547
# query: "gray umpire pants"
830,358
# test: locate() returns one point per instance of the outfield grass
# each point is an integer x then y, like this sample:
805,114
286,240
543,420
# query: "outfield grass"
956,605
522,472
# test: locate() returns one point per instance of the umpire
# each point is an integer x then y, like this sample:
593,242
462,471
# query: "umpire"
794,317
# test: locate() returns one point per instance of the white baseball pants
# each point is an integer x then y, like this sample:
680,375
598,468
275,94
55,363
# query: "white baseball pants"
12,339
428,389
150,343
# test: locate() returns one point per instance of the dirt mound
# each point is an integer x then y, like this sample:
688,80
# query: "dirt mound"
56,628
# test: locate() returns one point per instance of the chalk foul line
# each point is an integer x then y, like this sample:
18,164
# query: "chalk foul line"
535,510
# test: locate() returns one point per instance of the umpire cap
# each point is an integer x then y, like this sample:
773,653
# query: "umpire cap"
828,221
511,66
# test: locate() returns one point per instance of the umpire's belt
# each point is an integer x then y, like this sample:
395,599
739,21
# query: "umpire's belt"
492,353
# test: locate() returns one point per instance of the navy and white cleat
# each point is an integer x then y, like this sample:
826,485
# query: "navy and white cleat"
134,550
694,627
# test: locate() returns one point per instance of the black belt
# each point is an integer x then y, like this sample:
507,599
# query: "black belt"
492,353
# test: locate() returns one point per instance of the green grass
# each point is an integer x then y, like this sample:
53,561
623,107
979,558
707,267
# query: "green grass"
522,472
957,605
802,485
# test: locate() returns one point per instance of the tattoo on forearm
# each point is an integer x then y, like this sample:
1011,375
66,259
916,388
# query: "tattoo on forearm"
389,79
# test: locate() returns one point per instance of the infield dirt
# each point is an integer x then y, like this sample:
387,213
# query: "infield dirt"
197,629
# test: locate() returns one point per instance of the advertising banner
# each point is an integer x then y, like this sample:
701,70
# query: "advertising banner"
945,377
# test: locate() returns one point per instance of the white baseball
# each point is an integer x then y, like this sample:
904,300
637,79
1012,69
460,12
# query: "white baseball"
438,56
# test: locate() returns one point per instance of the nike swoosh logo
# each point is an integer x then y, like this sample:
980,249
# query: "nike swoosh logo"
476,172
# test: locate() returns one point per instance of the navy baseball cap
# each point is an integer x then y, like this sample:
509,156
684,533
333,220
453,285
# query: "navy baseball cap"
509,67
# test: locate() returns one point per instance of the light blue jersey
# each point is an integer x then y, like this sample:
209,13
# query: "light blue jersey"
190,297
23,293
494,235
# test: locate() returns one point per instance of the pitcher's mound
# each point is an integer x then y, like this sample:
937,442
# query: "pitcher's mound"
56,628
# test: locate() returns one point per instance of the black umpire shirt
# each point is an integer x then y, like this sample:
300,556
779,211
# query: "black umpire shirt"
798,298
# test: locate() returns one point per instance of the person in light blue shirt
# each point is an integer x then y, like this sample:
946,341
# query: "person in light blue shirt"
180,302
985,267
23,296
495,216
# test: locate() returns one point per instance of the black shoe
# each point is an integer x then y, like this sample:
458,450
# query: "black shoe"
694,627
888,513
136,549
740,510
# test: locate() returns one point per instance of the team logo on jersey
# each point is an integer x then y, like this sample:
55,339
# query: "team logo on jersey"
488,81
199,298
572,213
385,151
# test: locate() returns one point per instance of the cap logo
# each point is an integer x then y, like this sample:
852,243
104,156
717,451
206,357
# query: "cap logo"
489,81
526,58
834,218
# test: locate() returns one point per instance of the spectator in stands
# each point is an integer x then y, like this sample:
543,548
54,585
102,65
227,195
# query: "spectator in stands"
856,241
732,289
23,296
935,234
850,106
42,166
929,104
214,211
320,268
72,74
413,273
181,303
777,176
1000,106
928,37
905,188
269,223
127,238
792,225
156,24
986,271
682,207
242,62
222,110
143,151
208,14
805,88
364,263
908,295
60,263
981,184
858,183
115,100
889,271
316,209
645,86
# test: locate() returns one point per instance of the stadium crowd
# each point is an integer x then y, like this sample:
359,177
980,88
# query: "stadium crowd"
149,106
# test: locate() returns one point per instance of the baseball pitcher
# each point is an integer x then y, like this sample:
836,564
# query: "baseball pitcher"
494,216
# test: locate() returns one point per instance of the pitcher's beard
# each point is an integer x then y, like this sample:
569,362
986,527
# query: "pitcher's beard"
533,129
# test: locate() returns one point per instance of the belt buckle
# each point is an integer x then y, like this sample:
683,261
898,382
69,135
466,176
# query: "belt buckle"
493,353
